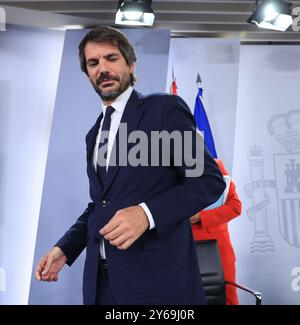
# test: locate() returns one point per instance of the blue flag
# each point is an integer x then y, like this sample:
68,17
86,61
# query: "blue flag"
203,124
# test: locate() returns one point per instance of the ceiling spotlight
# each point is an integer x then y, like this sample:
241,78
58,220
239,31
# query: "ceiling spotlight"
135,12
272,14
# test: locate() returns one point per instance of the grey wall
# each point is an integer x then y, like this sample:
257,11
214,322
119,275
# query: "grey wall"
65,193
267,144
29,65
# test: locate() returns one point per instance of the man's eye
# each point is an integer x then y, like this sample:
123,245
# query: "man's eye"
92,63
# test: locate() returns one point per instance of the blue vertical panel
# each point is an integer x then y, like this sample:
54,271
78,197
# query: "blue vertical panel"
65,193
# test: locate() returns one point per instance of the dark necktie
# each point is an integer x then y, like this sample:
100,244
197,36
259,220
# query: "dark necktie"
101,164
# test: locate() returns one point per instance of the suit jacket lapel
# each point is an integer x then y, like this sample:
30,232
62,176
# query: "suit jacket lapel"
91,141
132,116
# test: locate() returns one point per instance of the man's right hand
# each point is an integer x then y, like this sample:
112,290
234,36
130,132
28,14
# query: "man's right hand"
49,266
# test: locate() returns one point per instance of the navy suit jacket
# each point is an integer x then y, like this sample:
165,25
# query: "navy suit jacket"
161,266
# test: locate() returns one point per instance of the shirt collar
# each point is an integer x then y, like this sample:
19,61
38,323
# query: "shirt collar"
120,102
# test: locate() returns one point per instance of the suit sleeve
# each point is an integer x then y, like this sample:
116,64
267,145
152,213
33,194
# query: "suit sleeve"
191,194
74,240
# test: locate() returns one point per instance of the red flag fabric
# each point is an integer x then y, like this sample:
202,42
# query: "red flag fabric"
173,88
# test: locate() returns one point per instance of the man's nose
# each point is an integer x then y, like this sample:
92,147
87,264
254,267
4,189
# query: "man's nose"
102,68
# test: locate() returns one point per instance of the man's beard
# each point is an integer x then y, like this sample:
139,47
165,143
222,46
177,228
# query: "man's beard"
112,94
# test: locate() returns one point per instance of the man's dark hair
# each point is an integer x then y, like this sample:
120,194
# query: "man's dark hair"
108,35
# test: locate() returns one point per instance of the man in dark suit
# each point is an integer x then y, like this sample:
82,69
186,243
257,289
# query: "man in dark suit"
136,229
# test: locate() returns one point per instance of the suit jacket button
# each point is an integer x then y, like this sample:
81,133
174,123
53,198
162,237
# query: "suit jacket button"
97,239
104,203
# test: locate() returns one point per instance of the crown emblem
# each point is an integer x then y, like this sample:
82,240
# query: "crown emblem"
255,150
285,128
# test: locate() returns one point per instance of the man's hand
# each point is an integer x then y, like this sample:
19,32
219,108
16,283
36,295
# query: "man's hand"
195,218
125,227
49,266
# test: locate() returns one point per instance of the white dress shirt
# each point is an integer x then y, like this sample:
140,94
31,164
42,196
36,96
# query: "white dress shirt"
119,106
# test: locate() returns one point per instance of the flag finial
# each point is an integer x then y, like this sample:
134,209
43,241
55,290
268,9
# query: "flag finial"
199,80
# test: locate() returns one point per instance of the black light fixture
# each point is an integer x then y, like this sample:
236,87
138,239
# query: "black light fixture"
135,12
272,14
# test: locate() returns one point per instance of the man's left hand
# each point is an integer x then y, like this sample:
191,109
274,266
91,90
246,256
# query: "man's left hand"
125,227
